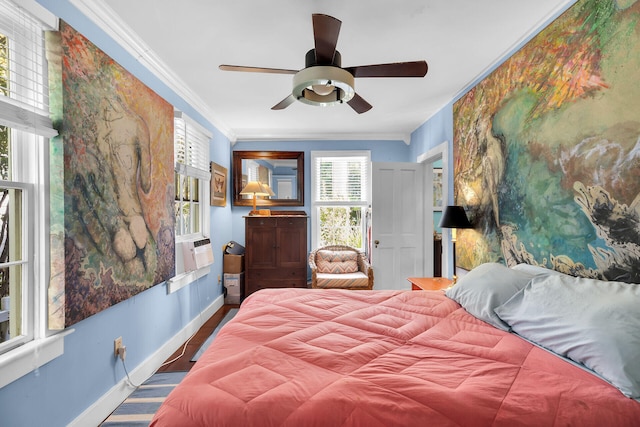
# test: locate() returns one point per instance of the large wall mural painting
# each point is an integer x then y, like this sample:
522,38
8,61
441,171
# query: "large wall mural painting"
547,149
113,227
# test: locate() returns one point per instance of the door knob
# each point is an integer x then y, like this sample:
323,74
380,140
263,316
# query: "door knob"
376,242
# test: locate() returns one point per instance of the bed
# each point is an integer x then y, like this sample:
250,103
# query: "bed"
309,357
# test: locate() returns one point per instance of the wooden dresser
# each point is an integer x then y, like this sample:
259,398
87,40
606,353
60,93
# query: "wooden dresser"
275,251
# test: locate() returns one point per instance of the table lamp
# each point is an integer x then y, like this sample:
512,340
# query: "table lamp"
254,188
454,217
268,190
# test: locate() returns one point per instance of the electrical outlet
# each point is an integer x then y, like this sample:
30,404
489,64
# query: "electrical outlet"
117,344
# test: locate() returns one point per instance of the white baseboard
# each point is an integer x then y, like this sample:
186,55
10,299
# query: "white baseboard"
103,407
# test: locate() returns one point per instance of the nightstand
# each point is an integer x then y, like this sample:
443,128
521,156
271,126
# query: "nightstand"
429,283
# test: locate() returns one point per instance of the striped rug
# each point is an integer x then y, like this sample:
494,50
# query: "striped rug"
140,406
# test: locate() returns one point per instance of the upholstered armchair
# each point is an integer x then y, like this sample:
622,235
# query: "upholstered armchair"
340,267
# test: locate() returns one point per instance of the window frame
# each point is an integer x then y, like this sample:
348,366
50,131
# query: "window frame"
29,139
183,278
316,204
202,176
29,290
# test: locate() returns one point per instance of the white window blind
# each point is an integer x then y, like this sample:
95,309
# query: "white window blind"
341,178
23,73
191,147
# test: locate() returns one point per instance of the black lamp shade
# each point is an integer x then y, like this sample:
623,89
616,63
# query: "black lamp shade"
454,217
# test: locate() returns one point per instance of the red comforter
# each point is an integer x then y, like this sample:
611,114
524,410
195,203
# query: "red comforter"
302,357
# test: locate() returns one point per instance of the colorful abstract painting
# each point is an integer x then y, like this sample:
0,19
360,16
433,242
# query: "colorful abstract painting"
547,149
113,222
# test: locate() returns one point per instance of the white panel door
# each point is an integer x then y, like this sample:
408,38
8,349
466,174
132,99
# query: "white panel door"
397,224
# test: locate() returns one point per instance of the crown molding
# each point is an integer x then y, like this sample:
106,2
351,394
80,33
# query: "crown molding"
109,22
322,136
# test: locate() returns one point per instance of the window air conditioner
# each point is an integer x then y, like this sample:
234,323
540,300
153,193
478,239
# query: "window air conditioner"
197,254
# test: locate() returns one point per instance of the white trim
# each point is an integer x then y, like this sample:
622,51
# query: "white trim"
108,21
257,136
96,413
38,11
204,131
442,151
27,119
439,152
30,356
187,170
184,279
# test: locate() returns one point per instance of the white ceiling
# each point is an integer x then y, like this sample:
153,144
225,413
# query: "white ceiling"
185,42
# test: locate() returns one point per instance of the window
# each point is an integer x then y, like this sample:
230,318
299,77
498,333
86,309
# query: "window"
253,172
341,196
192,178
25,127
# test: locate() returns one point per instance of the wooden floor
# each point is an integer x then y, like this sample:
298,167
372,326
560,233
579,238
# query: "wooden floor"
184,363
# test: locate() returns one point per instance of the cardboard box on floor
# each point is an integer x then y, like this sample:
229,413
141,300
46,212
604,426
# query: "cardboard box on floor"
233,264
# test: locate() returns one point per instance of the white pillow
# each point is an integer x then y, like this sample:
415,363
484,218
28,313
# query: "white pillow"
592,322
486,287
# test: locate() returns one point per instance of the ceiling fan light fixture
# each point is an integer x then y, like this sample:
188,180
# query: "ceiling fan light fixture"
329,86
324,89
323,81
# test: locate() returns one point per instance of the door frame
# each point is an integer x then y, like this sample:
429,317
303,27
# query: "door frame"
439,152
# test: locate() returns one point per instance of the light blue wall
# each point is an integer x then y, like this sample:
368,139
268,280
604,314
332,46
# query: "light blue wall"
435,131
438,129
381,151
58,392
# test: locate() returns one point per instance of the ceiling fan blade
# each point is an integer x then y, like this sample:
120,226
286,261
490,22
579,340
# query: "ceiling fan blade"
225,67
359,104
325,33
395,69
284,103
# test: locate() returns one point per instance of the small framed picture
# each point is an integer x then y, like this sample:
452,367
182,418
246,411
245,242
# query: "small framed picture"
218,185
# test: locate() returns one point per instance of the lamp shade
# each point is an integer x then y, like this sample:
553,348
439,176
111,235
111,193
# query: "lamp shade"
254,188
454,217
268,190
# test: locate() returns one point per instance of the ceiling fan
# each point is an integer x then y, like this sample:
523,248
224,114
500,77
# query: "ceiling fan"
323,81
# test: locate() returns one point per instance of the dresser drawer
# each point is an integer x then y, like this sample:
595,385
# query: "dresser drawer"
262,221
278,274
293,222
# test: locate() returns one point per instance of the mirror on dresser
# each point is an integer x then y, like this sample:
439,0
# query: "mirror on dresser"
281,171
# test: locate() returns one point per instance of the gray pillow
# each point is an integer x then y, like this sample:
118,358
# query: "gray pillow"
487,287
592,322
534,269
